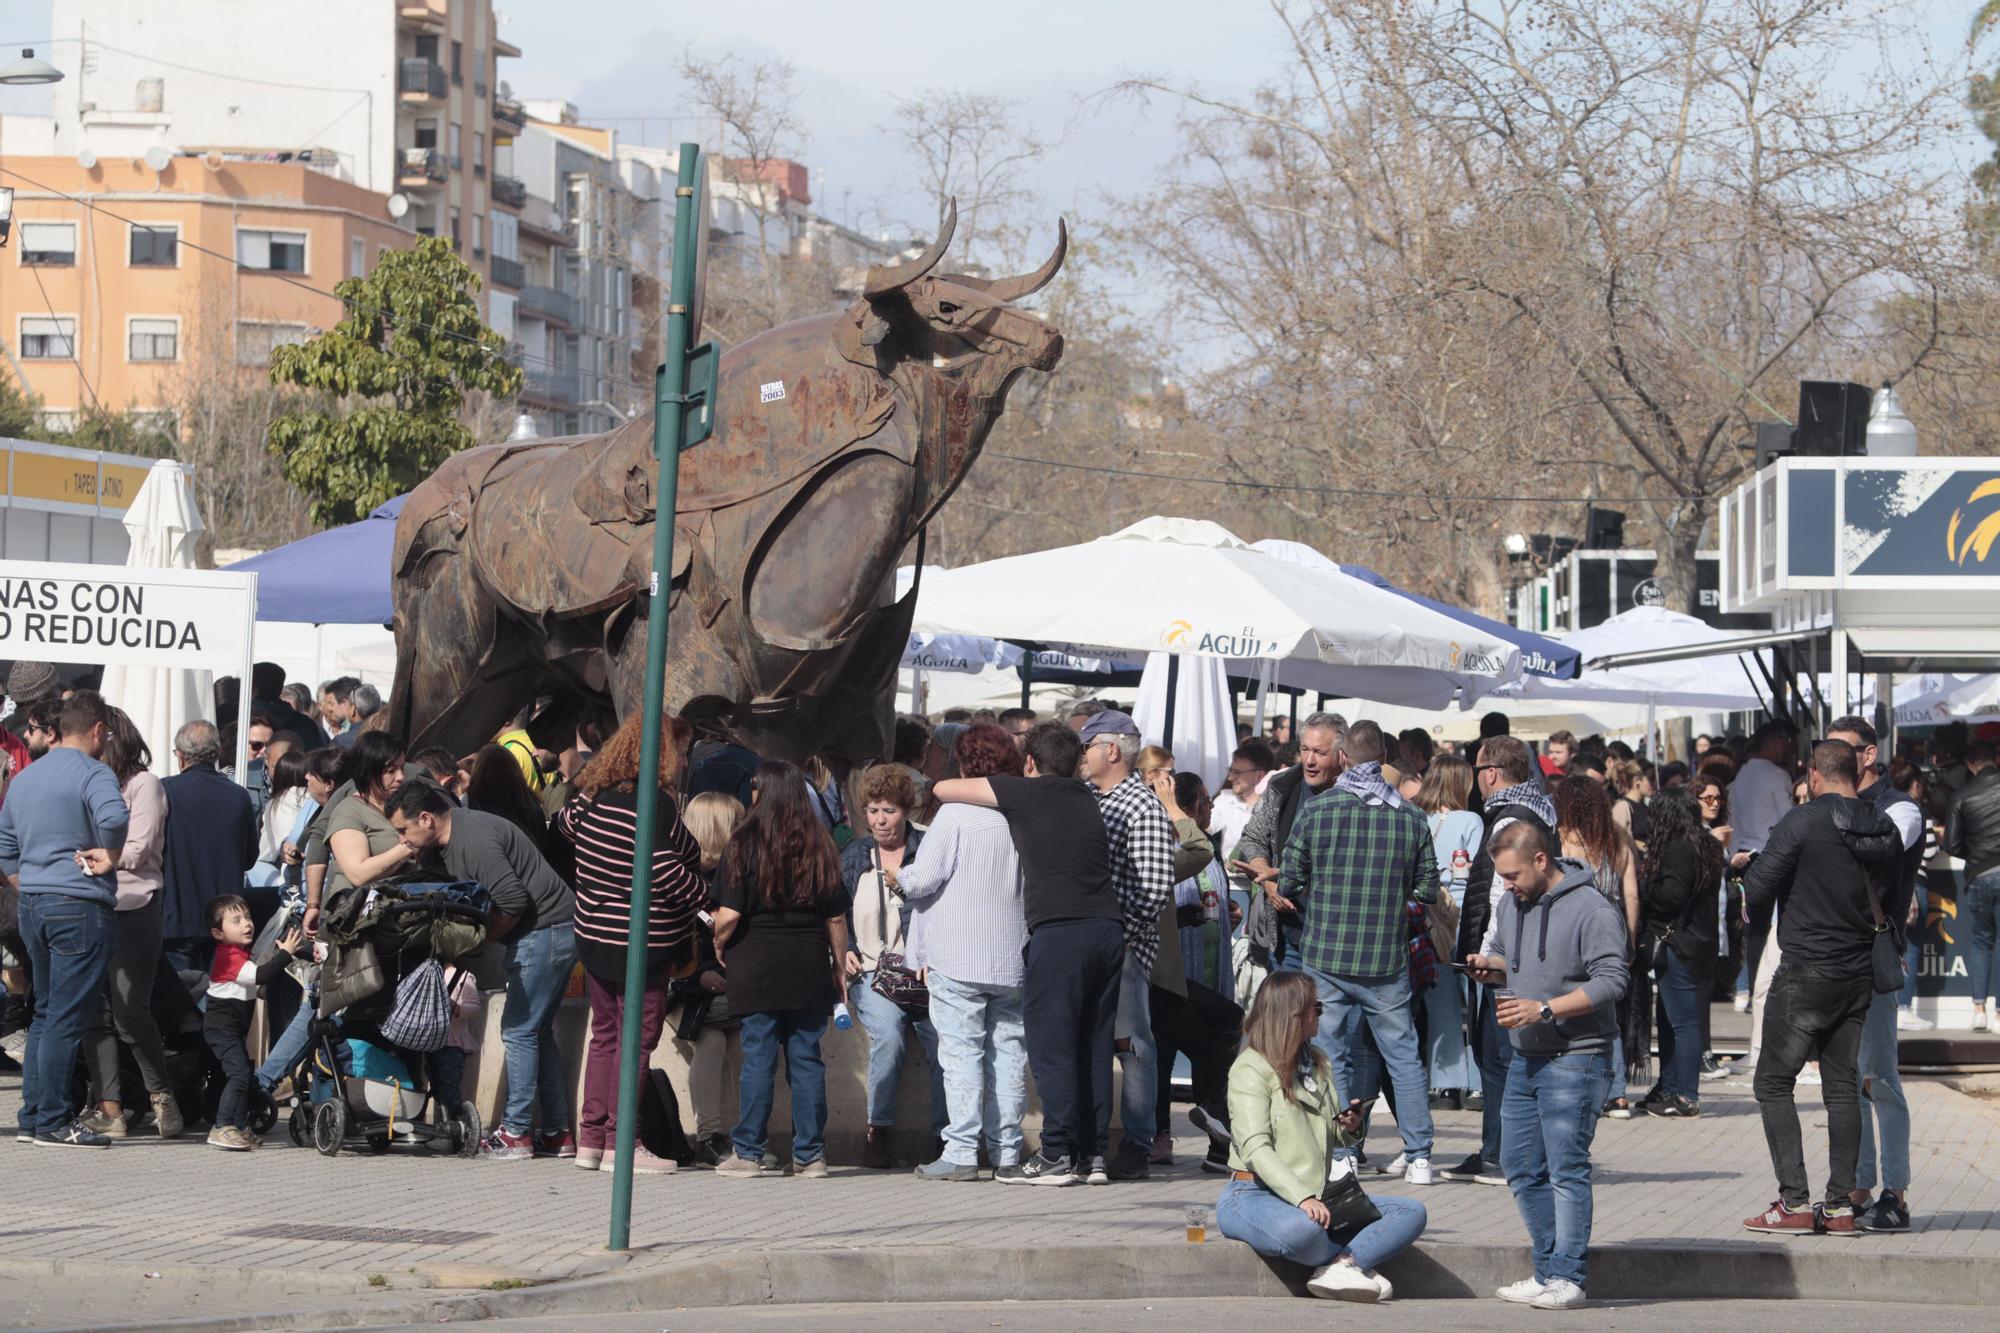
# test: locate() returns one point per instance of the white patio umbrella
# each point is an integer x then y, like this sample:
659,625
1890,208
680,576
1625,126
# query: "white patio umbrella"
162,525
1202,721
1190,587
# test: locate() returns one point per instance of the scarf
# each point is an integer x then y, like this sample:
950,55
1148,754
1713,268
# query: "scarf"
1365,781
1529,794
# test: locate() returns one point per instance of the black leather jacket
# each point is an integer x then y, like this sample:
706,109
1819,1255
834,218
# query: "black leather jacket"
1972,824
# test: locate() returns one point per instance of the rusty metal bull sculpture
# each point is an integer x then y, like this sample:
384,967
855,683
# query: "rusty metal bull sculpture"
524,568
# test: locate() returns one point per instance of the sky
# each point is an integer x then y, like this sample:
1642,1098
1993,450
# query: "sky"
853,60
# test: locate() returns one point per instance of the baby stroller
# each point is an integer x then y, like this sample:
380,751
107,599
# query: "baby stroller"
357,1087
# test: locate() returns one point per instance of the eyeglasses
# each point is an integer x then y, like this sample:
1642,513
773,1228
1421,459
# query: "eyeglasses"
257,747
1486,768
1242,772
1712,798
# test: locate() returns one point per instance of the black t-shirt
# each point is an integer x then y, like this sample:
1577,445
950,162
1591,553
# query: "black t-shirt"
779,957
1065,853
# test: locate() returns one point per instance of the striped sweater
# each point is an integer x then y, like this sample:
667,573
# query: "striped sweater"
603,831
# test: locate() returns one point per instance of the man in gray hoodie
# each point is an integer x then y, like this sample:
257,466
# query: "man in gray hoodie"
1557,953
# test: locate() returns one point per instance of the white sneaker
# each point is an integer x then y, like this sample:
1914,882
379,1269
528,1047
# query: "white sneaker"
1978,1021
1908,1021
1560,1294
1381,1285
1418,1172
1343,1282
1810,1076
1341,1168
1397,1165
1522,1292
1741,1004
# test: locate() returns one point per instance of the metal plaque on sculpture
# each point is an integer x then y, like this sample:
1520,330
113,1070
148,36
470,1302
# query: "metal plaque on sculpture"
85,614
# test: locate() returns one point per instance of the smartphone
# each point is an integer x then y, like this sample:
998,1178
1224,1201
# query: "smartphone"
1463,967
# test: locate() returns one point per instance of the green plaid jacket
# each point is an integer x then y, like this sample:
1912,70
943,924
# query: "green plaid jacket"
1351,865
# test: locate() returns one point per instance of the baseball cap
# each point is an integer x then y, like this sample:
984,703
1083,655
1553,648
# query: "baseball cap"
1109,723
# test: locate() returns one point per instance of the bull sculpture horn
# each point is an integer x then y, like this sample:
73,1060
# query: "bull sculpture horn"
884,279
1013,289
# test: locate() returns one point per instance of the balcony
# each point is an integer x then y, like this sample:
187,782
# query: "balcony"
509,116
420,167
555,387
508,272
420,16
548,303
509,191
419,80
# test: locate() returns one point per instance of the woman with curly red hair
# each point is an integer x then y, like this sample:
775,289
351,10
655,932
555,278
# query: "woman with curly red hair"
968,928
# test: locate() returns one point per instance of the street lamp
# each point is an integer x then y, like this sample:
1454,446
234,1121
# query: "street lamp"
1890,434
29,70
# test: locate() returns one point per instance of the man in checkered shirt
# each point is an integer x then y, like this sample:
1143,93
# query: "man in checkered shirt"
1358,854
1142,870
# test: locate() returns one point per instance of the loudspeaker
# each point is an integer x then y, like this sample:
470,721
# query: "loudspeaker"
1833,418
1774,441
1603,529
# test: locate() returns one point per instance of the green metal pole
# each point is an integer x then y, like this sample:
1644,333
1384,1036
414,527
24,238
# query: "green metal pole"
670,395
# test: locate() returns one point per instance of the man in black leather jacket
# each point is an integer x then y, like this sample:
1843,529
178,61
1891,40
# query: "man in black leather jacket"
1972,833
1819,866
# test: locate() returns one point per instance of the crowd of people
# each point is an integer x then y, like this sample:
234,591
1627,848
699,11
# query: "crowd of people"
1356,916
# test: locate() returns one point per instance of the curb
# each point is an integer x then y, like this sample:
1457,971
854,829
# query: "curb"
1814,1269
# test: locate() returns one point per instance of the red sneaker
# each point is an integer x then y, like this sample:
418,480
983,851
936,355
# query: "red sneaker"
500,1146
559,1144
1784,1221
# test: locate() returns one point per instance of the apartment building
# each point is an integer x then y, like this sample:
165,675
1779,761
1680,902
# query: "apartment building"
398,97
122,276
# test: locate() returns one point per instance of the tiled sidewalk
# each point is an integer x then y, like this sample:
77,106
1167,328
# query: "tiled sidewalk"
155,1205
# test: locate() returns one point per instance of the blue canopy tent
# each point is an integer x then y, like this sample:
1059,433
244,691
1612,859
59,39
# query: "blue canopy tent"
1540,655
337,577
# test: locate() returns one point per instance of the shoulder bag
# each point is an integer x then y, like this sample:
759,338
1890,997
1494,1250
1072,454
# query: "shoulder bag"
1656,954
1885,958
895,980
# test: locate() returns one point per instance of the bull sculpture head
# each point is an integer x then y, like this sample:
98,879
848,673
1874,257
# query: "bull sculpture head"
955,344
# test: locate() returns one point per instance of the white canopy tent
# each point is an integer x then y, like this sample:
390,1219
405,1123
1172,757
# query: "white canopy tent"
1190,588
162,525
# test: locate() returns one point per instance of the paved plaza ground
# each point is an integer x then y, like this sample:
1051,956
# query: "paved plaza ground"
175,1229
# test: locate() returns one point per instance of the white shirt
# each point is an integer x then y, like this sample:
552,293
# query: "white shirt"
1758,799
1232,814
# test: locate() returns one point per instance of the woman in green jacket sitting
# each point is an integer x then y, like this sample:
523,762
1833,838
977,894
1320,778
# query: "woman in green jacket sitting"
1285,1119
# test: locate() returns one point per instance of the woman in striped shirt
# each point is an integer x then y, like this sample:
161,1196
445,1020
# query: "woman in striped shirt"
601,821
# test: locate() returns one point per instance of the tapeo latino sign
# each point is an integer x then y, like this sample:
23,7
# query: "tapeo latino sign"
87,614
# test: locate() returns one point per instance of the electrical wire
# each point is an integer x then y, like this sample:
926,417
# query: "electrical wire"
303,286
1362,492
55,321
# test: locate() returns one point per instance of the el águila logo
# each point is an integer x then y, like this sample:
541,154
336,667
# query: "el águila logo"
1981,511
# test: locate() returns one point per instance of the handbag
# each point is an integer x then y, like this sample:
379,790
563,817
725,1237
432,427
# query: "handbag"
895,980
421,1017
1885,956
349,974
1441,920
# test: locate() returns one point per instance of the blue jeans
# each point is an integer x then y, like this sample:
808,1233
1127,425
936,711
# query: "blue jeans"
69,951
887,1025
290,1045
538,968
1384,1005
1681,1005
1138,1093
1913,952
1452,1065
1549,1119
982,1050
1979,912
1883,1095
798,1031
1249,1212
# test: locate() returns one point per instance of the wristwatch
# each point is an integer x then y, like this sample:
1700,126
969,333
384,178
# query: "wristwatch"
1548,1015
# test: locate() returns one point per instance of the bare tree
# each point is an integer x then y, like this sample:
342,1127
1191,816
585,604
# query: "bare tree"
1647,219
972,147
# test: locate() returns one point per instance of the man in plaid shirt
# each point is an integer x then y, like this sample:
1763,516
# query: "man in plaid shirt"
1357,856
1142,870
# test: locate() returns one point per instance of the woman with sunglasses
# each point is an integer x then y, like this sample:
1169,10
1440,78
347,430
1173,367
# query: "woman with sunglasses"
1286,1117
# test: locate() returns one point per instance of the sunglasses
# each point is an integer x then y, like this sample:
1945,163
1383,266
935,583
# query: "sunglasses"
1487,768
1713,798
257,747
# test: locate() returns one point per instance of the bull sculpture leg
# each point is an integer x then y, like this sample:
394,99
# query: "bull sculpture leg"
460,678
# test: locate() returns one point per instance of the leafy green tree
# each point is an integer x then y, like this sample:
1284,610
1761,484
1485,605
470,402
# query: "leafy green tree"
20,411
411,346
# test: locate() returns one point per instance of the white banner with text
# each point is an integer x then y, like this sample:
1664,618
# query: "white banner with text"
114,615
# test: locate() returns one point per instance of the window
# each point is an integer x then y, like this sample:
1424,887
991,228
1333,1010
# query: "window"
479,71
479,152
479,235
427,132
60,419
427,47
155,247
272,251
48,243
454,229
255,341
44,338
161,422
357,258
454,148
457,62
152,339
